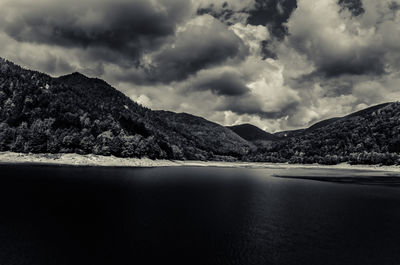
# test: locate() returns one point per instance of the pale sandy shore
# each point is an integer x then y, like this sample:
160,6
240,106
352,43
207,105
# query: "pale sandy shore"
112,161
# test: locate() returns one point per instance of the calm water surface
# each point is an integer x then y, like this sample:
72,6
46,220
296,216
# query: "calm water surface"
66,215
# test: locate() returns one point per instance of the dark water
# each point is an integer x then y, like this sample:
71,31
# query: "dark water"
60,215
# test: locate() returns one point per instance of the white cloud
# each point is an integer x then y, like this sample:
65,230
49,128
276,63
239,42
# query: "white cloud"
338,63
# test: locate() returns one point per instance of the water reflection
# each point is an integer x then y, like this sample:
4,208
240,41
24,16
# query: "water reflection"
59,215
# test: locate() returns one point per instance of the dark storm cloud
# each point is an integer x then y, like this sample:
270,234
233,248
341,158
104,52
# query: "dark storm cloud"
228,12
332,61
270,13
128,27
354,6
267,51
225,14
196,48
252,105
227,83
332,87
366,62
273,14
242,105
394,6
338,77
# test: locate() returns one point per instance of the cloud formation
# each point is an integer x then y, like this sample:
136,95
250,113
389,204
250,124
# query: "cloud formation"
354,6
110,29
202,43
273,14
342,51
279,64
228,83
336,44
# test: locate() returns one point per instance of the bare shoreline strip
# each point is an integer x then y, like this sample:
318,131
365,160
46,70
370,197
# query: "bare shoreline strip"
112,161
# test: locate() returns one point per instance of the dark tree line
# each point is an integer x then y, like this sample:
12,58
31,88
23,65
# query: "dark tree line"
77,114
369,138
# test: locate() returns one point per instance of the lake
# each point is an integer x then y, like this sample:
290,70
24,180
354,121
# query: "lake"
197,215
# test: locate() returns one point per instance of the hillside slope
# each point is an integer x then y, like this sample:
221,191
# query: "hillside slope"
323,123
74,113
252,133
77,114
370,136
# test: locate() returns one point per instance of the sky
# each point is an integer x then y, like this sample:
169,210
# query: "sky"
278,64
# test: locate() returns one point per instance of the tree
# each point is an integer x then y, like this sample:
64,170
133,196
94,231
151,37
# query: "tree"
103,143
87,144
40,130
6,136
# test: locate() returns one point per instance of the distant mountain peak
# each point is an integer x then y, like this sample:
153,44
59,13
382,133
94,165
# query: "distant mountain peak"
74,76
79,78
251,132
78,74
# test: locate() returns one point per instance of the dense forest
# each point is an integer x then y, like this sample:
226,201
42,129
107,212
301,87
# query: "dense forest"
371,136
77,114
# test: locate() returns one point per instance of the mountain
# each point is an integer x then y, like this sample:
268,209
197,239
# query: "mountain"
323,123
75,113
78,114
253,133
369,136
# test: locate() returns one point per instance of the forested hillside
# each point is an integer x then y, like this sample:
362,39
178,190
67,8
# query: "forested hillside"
74,113
370,136
323,123
77,114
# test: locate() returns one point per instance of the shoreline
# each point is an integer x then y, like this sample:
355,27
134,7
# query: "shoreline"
112,161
